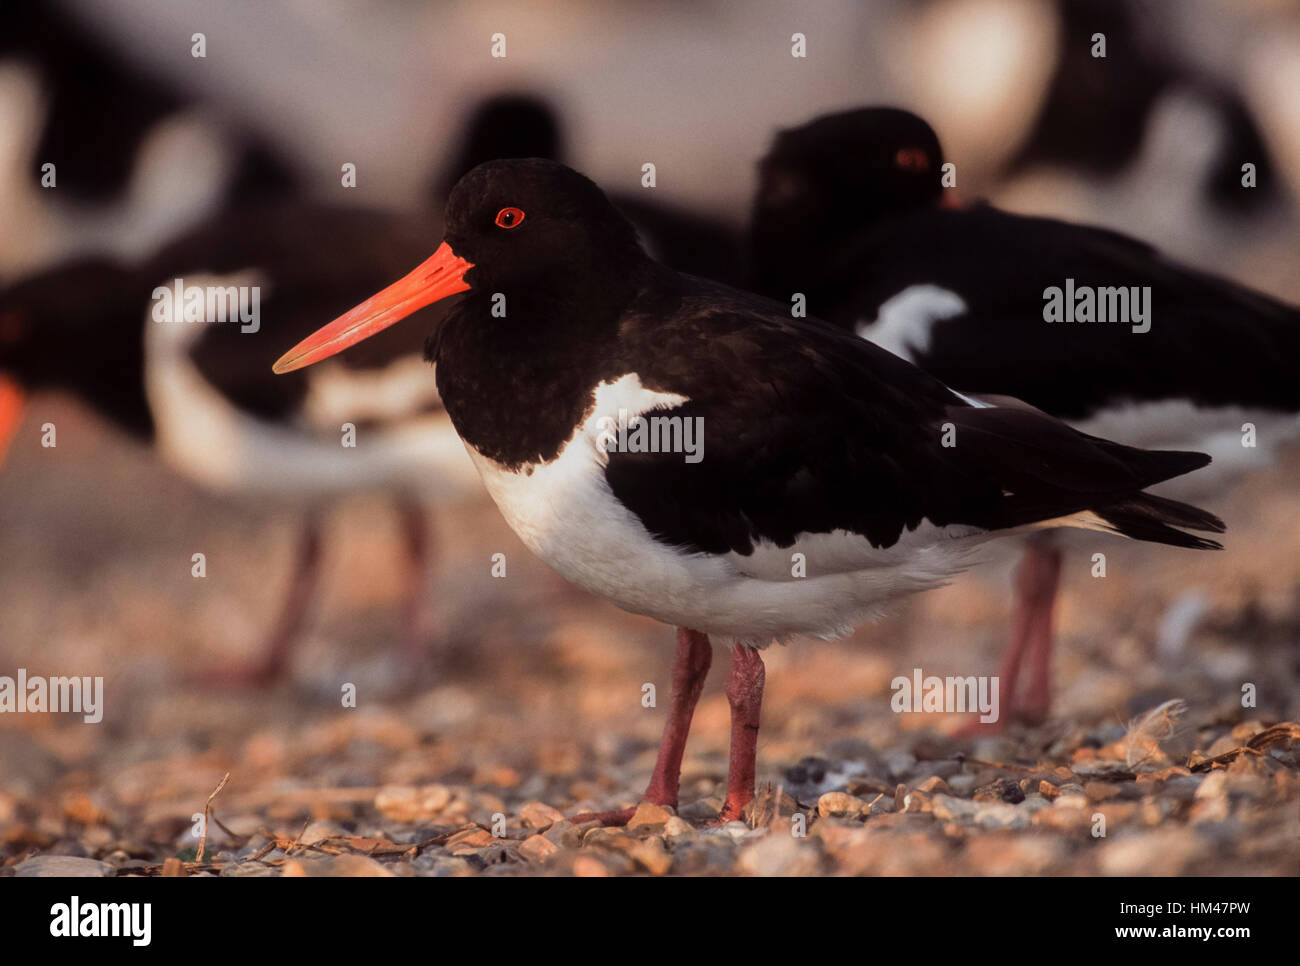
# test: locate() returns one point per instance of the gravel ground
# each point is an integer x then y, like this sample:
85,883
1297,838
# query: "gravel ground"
526,706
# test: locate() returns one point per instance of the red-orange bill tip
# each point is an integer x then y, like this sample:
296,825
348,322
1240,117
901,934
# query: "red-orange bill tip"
440,276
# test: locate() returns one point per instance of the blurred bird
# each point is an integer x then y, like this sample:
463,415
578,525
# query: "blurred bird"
820,447
850,211
1099,110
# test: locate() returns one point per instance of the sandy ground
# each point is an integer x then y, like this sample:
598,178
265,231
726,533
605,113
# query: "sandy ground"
527,703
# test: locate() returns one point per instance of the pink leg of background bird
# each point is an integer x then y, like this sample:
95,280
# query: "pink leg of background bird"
273,663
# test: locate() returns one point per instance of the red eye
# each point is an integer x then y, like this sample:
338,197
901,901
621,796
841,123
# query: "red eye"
510,217
912,159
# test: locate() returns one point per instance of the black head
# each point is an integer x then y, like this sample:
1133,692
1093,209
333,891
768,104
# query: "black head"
501,127
532,230
534,225
824,182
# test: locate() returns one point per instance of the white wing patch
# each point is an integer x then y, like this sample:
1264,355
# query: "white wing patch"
904,321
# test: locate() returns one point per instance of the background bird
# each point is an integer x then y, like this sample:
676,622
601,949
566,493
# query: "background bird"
851,212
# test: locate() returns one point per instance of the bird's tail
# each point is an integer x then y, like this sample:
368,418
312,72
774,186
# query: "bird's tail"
1158,520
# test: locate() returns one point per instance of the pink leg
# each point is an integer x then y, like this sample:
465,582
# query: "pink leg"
274,662
1038,580
416,619
745,694
690,668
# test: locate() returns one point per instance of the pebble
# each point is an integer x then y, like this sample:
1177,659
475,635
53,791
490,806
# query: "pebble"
648,815
564,834
1156,853
587,867
539,816
780,855
839,805
678,829
537,848
405,803
900,764
62,866
468,840
335,866
246,869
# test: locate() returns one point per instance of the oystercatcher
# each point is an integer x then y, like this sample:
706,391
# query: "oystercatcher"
693,453
850,213
189,389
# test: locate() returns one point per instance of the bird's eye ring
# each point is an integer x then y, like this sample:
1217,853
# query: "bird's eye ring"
510,218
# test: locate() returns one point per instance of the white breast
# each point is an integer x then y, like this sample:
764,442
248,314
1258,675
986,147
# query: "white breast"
565,512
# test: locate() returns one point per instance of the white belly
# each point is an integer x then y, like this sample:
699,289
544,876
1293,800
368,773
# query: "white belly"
565,512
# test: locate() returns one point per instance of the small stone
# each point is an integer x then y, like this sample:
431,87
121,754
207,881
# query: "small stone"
934,785
319,832
1100,791
651,855
702,810
239,870
780,855
588,867
468,840
648,814
900,763
539,815
948,808
1222,746
335,866
1161,852
676,828
1215,785
537,848
564,834
839,805
62,866
963,784
405,803
916,801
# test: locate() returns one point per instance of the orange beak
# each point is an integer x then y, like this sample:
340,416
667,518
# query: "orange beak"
11,413
442,275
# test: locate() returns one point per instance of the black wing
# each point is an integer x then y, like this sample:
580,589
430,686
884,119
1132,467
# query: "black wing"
1211,341
810,430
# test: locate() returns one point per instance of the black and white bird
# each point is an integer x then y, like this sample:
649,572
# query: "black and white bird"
761,436
850,212
191,385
